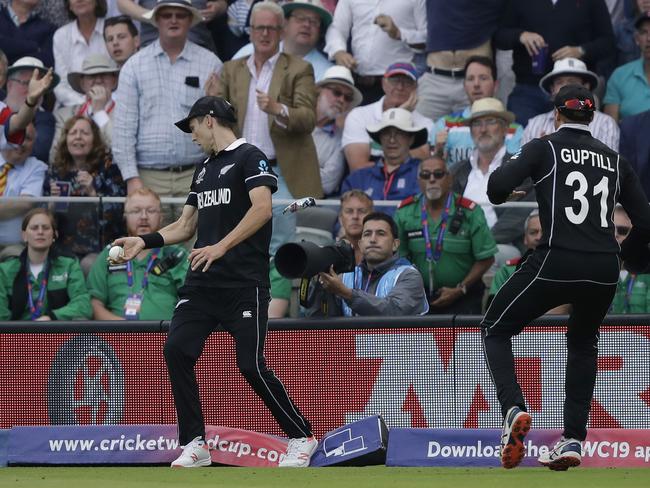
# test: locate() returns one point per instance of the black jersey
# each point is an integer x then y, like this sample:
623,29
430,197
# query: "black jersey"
219,191
578,181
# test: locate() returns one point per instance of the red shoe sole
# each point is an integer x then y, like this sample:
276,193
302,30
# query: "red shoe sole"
514,451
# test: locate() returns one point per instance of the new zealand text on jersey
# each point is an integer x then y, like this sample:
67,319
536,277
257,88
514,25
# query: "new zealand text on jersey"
213,197
582,156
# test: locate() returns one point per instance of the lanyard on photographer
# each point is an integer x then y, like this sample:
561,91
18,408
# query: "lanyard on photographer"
35,308
145,278
433,255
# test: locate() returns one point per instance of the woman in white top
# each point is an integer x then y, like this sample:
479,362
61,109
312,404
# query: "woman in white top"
76,40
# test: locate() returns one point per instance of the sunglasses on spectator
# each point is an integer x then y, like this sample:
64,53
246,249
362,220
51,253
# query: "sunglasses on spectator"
348,97
265,28
622,230
480,123
437,174
575,104
178,15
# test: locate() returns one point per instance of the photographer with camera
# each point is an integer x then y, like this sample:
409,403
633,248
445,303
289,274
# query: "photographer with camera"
447,237
383,283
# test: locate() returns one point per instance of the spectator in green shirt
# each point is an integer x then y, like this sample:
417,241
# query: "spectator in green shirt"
448,240
40,284
145,288
632,294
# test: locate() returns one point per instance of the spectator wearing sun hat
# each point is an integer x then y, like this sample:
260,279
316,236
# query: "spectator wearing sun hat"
570,71
305,25
143,11
488,124
337,95
96,80
394,176
399,85
18,76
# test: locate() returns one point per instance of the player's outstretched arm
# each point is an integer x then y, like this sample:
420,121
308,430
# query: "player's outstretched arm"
182,229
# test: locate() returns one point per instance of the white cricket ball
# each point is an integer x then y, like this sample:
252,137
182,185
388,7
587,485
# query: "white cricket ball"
116,252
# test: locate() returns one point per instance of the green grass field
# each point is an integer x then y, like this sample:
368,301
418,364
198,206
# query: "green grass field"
373,477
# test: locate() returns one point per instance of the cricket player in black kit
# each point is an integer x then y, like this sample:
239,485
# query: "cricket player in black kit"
228,280
578,181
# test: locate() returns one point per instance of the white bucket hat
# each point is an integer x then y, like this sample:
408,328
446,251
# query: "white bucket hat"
94,64
186,4
401,119
340,75
569,66
490,106
30,63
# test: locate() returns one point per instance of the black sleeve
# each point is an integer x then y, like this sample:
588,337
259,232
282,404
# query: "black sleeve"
602,44
523,164
257,171
634,249
507,35
192,199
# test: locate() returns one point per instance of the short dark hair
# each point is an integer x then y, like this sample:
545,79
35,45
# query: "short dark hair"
485,61
386,218
121,19
100,9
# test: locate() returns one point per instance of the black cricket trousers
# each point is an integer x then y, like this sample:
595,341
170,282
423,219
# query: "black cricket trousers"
243,313
549,278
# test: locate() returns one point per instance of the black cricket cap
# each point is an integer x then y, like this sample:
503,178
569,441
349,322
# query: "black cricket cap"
643,16
215,106
575,101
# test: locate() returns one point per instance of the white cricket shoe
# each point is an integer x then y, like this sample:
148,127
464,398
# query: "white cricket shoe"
566,454
194,455
299,452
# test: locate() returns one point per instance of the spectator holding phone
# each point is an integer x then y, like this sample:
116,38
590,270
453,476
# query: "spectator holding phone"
82,166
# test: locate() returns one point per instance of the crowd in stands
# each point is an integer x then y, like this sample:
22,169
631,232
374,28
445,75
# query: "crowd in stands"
411,101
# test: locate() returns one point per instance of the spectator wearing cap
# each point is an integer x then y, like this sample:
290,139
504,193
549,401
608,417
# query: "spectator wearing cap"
336,96
628,89
382,32
122,38
274,96
488,123
96,81
306,22
23,32
571,71
456,30
544,32
394,176
75,41
399,85
141,11
635,146
156,85
451,136
19,76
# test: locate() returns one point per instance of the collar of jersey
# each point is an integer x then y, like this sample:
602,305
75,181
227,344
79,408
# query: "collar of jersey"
571,126
235,144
